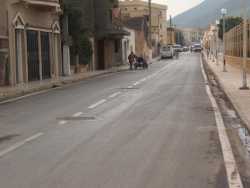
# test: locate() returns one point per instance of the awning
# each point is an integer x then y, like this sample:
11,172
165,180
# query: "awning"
113,33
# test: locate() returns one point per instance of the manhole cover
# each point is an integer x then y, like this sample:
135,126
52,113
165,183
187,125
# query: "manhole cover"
80,118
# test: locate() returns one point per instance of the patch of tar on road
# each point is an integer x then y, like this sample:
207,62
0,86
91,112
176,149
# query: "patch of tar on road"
8,137
80,118
236,129
129,88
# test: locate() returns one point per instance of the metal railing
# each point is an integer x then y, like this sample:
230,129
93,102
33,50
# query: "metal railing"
234,41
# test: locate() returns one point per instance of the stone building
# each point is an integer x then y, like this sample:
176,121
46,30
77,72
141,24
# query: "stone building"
192,35
106,34
171,35
140,27
30,40
139,8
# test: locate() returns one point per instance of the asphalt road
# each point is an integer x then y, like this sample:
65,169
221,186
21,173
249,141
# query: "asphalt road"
133,129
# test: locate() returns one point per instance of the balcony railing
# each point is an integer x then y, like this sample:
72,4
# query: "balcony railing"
43,3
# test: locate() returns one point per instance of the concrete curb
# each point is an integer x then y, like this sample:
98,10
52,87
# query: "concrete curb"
60,83
53,84
230,97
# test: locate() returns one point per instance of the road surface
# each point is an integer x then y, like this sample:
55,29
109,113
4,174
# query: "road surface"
133,129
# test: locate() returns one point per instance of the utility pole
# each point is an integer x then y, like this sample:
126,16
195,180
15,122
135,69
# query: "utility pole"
150,22
217,22
245,38
224,12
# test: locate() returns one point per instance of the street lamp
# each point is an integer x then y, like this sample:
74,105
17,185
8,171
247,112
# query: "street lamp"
210,44
217,22
150,22
224,13
245,38
214,42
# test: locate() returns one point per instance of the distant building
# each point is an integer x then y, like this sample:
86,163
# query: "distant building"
171,35
29,41
139,8
192,35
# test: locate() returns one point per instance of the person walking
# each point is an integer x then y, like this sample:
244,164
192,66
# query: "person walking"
131,59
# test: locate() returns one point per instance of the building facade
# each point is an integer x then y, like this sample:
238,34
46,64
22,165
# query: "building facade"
29,41
139,8
128,44
192,35
140,27
171,35
99,21
109,33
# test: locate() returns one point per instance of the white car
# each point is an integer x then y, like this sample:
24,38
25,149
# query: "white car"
167,52
178,48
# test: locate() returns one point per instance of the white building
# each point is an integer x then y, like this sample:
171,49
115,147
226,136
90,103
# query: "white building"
128,45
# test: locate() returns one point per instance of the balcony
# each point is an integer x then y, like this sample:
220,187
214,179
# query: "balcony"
44,4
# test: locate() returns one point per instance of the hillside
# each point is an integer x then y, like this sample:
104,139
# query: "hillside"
207,12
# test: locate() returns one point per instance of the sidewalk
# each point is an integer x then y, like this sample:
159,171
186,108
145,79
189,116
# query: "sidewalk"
11,92
231,81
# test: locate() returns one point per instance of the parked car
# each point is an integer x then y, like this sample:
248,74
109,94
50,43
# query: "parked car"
196,48
167,52
178,48
185,49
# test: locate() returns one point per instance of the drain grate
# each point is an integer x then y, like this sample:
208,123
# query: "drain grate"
8,137
80,118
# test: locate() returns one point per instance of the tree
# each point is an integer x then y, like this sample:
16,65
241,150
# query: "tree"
230,22
81,47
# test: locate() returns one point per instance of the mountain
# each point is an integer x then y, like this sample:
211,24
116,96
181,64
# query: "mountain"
207,12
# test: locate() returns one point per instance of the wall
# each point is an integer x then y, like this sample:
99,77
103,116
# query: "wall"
3,19
34,18
128,45
141,48
237,62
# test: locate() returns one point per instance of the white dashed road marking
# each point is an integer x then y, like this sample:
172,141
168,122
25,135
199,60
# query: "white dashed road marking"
97,104
77,114
136,83
114,95
63,122
19,144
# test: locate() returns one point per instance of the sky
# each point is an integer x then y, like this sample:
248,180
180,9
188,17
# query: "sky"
177,6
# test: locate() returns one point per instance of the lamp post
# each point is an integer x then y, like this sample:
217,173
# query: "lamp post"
214,43
217,22
210,45
150,22
224,13
245,38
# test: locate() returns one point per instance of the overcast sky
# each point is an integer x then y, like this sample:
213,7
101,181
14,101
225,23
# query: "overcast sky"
177,6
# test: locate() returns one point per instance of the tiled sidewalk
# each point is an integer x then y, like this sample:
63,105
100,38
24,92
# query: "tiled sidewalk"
231,81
